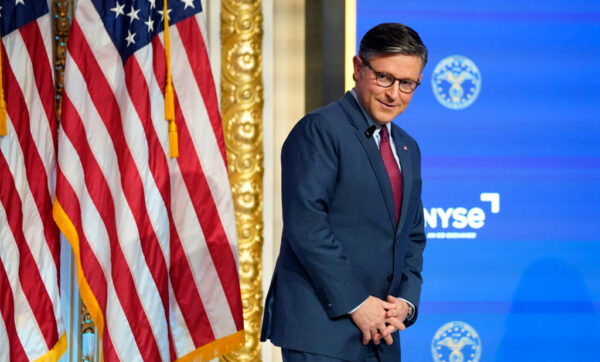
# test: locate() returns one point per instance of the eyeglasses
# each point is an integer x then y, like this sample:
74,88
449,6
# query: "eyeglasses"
386,80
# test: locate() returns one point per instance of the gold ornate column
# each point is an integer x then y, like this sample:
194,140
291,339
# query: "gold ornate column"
241,109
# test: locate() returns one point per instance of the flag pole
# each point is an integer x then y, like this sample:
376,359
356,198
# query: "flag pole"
169,94
3,115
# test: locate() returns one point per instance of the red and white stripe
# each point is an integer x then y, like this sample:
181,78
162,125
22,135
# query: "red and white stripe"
31,324
156,236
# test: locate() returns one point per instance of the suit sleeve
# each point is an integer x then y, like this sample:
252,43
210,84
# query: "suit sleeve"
413,261
310,161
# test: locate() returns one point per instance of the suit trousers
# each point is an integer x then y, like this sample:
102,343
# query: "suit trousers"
290,355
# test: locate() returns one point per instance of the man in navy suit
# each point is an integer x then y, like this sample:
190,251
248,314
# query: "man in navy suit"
348,276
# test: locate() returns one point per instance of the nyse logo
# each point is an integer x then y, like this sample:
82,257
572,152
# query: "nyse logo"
454,220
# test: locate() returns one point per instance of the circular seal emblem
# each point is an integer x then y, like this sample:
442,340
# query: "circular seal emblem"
456,82
456,342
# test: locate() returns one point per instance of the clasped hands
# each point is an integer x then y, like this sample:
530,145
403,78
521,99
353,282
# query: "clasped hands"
378,319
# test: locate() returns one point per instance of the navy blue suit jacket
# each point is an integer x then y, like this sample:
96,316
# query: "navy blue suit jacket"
340,242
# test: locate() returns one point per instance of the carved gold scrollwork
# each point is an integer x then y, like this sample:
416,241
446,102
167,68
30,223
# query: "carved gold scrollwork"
87,342
63,14
241,108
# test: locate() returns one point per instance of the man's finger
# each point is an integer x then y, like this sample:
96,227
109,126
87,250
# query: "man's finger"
388,331
376,339
387,305
375,336
388,340
396,323
382,332
366,334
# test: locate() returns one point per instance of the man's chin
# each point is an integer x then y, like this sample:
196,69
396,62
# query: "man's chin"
385,117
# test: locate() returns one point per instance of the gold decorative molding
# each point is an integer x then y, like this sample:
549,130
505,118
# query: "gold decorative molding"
241,109
87,342
62,11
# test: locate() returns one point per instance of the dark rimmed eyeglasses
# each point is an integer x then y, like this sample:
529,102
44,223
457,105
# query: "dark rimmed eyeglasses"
386,80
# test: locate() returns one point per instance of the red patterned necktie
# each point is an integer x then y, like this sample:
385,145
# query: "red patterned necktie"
392,169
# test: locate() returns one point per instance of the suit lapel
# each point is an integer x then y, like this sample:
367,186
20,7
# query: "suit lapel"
357,118
403,152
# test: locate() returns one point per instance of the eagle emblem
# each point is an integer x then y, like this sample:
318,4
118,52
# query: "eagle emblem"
456,342
456,82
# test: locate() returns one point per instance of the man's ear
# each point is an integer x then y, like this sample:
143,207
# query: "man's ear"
357,65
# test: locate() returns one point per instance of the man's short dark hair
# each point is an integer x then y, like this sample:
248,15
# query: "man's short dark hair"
392,38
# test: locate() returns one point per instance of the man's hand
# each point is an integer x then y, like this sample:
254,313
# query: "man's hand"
394,319
395,316
370,318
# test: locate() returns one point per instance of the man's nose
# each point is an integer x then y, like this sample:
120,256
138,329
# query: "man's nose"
393,91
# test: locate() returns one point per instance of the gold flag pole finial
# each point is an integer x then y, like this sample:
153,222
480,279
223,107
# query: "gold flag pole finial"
169,94
3,115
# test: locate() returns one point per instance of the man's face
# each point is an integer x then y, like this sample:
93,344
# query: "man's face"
384,104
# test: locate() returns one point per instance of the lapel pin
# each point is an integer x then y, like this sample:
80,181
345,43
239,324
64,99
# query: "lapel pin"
405,148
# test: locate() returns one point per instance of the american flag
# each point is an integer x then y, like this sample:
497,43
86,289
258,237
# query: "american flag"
30,324
154,237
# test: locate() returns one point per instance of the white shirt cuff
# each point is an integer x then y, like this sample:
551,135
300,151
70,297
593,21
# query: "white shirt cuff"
358,306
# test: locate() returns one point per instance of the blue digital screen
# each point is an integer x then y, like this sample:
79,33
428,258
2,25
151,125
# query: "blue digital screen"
508,121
